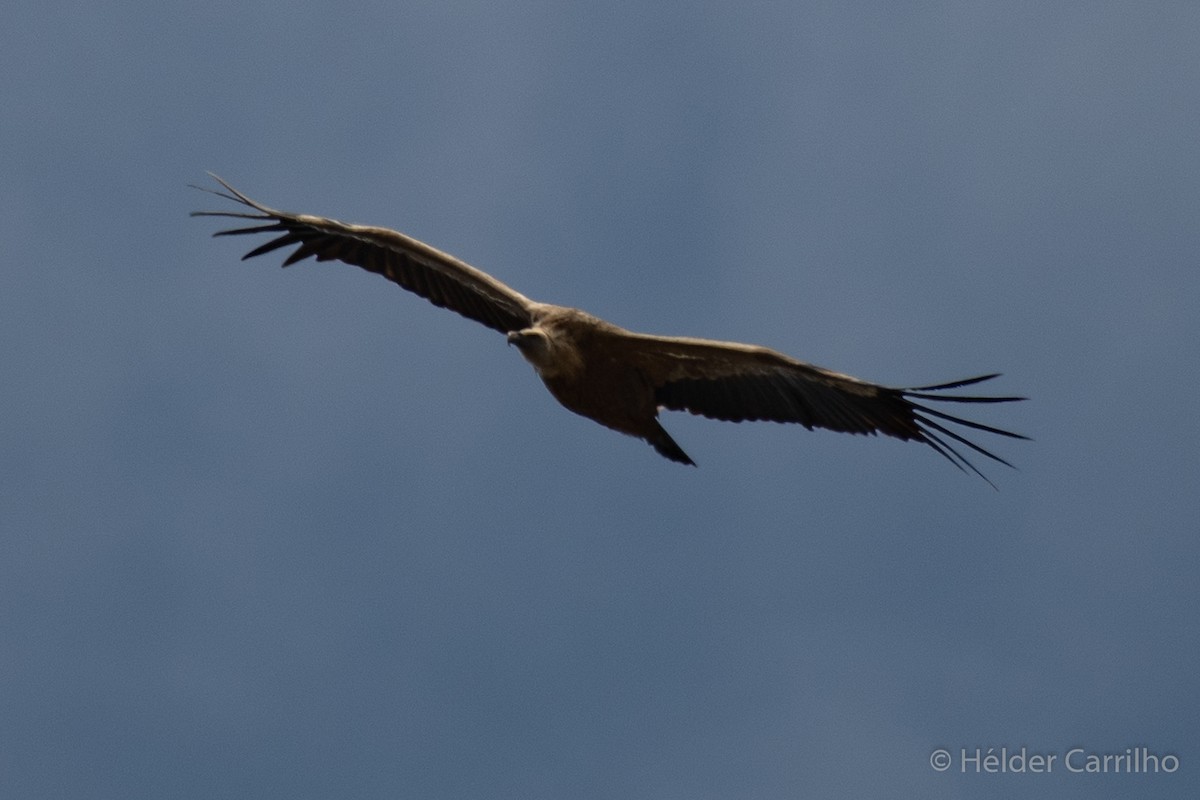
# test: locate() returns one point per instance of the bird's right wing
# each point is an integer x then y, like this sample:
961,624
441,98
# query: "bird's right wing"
438,277
735,382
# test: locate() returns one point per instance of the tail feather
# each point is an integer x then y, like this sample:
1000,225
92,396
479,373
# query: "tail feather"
661,441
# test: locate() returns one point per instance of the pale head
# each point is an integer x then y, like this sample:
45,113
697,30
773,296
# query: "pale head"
550,354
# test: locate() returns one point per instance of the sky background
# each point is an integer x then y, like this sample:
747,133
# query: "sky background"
303,535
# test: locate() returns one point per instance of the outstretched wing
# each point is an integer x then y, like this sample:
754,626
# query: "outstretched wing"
737,382
438,277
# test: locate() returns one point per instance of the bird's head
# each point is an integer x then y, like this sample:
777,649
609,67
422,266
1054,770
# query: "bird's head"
530,341
540,349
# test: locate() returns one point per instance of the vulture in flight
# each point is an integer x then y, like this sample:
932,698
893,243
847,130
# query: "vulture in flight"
619,378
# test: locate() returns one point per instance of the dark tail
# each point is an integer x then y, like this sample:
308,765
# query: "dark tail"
661,441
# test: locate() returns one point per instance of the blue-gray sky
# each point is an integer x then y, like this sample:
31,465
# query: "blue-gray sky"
302,535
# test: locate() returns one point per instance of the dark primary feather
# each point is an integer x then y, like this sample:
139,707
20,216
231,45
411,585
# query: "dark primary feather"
438,277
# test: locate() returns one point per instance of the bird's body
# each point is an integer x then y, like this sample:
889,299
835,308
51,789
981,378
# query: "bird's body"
573,353
617,377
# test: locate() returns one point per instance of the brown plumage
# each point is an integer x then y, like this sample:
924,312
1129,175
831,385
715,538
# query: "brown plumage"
617,377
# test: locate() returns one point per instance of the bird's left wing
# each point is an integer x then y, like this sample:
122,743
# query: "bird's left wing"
736,382
438,277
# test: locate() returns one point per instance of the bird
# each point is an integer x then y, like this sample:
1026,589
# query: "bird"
620,378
